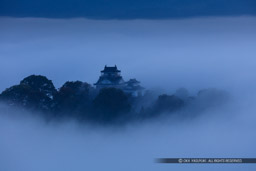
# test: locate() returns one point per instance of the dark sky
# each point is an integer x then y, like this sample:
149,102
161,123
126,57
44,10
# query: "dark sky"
126,9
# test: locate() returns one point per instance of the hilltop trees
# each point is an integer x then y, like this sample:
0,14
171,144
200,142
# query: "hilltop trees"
33,92
81,101
167,103
110,104
74,98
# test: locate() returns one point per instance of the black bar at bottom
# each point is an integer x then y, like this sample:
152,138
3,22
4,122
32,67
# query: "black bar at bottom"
206,160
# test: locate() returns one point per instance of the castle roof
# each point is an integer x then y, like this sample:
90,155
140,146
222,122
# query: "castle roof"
110,69
110,76
133,84
133,81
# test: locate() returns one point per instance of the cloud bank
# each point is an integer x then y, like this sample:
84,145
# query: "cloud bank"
195,53
168,54
127,9
28,143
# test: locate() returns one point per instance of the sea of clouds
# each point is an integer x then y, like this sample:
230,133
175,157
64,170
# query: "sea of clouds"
163,55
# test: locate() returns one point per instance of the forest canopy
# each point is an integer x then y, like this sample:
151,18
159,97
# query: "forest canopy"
80,100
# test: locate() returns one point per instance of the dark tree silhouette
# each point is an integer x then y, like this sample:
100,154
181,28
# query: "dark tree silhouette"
33,92
81,101
110,104
166,103
74,98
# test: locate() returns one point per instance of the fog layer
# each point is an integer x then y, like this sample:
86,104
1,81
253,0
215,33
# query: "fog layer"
167,54
195,53
29,144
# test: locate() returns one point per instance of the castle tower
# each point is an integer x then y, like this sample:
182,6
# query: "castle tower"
133,87
110,77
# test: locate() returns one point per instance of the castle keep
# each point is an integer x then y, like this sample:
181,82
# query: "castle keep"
111,77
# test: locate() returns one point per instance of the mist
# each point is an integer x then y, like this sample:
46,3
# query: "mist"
163,55
29,143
